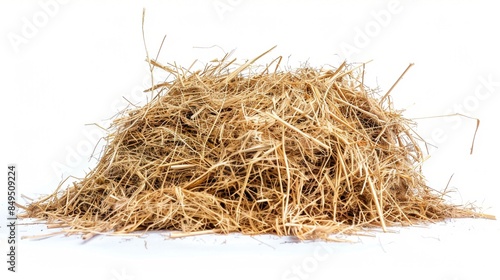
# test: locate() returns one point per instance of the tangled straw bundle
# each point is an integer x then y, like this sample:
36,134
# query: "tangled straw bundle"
306,153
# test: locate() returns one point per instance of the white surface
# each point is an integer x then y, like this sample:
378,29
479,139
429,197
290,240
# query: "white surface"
79,59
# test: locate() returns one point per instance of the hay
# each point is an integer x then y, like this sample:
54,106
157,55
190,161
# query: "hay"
305,153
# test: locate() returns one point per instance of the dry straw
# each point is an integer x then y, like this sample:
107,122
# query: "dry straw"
305,153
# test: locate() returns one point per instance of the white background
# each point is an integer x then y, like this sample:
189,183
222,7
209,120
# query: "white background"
68,64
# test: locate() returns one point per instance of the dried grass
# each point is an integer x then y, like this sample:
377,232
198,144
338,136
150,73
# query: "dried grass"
305,153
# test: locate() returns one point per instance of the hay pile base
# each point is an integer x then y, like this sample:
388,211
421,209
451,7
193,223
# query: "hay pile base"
304,153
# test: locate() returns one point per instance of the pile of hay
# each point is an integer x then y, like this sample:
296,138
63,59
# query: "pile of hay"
305,153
